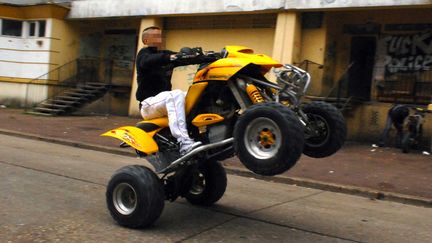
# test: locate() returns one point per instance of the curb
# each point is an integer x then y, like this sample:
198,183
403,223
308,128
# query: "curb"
303,182
326,186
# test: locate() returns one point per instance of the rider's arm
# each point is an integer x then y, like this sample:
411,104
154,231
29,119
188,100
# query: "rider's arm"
148,59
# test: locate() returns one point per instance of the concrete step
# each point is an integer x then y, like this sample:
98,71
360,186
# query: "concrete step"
38,113
86,90
48,110
57,101
50,104
78,94
65,97
96,84
91,87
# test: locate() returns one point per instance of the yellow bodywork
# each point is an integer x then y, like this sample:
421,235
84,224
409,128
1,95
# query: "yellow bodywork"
206,119
193,94
238,58
135,137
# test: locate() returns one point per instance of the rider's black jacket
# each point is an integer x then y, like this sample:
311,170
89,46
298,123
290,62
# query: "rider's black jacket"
154,70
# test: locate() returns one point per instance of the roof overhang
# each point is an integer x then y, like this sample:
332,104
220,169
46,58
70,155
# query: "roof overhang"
119,8
33,11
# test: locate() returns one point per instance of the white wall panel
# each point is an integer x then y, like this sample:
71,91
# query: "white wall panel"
25,56
20,70
25,43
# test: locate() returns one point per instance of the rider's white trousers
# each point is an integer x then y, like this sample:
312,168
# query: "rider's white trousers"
171,103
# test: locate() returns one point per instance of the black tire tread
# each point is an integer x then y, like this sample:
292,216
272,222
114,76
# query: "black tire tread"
292,152
338,131
149,189
216,183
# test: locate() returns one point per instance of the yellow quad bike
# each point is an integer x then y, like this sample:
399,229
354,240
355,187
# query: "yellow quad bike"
233,110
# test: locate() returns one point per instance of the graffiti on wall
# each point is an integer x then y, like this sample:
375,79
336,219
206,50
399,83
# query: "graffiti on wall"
408,53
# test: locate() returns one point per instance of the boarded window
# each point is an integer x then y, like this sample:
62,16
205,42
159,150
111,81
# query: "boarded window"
11,27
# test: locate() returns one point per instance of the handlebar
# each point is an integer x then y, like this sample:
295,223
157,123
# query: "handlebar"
197,54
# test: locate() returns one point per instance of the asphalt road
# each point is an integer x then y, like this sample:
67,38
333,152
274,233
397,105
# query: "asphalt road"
55,193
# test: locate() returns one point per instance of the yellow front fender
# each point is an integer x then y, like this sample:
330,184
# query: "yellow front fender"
135,137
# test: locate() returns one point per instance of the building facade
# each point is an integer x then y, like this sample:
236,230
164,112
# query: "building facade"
372,53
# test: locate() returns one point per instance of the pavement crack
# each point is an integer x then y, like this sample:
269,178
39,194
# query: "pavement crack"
281,203
250,217
52,173
300,229
207,229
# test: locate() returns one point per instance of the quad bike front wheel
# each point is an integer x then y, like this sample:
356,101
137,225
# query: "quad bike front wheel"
135,196
207,184
326,130
269,138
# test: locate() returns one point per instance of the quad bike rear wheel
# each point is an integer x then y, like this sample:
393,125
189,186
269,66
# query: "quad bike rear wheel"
207,185
135,196
269,138
326,130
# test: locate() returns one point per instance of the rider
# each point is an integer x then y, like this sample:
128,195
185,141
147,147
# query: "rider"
154,69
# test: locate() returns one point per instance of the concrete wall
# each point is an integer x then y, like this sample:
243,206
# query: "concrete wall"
367,122
14,94
259,39
313,48
64,44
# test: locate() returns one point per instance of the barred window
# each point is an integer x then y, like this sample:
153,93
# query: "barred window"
36,28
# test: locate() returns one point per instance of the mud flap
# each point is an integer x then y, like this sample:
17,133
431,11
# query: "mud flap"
135,137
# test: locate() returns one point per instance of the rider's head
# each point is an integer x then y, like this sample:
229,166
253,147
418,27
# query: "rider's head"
152,36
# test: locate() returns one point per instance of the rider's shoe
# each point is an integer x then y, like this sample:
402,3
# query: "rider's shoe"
188,146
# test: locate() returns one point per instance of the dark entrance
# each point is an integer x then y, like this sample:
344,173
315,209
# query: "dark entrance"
360,74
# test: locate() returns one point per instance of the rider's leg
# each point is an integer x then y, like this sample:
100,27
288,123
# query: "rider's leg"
155,106
175,105
171,104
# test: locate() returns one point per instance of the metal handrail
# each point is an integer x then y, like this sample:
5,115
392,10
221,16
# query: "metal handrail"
51,71
32,81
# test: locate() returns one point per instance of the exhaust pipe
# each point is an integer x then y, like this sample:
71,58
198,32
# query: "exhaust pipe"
195,152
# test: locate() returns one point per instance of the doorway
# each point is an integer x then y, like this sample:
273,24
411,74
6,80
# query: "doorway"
360,75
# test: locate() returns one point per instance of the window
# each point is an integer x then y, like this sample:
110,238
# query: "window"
42,25
11,27
36,28
32,29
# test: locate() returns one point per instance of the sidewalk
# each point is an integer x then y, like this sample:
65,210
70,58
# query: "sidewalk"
356,168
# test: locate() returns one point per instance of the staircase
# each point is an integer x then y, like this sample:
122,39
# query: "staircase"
71,99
